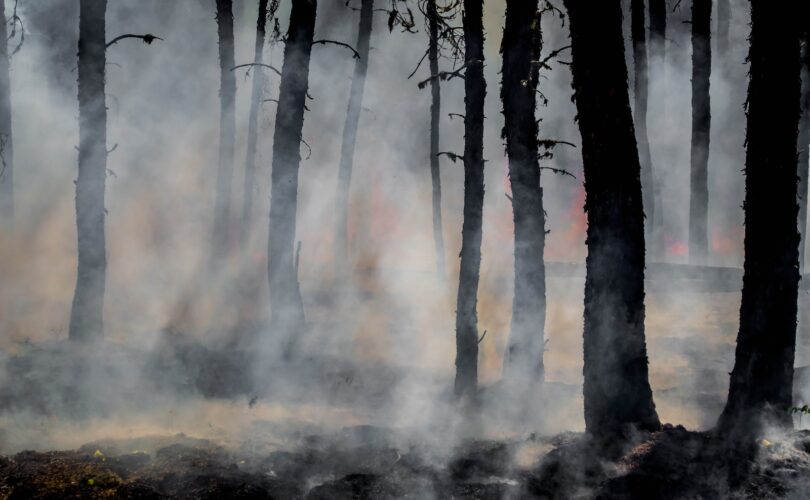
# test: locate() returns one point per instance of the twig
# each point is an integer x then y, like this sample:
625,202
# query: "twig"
560,171
482,337
147,39
419,64
297,256
333,42
309,149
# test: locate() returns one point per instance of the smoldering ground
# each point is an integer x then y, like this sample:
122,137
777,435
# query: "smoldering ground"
367,407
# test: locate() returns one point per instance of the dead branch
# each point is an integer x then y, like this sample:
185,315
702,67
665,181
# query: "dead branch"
552,55
341,44
147,39
444,76
451,115
309,148
482,337
560,171
262,65
453,156
419,64
15,20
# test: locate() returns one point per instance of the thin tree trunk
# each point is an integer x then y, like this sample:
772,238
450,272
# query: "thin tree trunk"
658,72
804,144
435,113
253,126
723,25
701,129
88,300
761,385
475,89
617,390
227,128
287,310
522,43
6,143
350,138
638,29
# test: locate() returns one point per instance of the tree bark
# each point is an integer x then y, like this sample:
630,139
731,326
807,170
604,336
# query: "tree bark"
253,126
88,300
350,138
522,42
761,385
475,89
804,143
227,128
6,142
435,113
701,130
287,310
617,392
638,29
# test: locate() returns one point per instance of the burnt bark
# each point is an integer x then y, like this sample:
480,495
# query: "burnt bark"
638,31
88,300
617,392
760,390
804,143
521,47
253,126
227,128
6,142
350,138
475,89
701,130
435,113
286,307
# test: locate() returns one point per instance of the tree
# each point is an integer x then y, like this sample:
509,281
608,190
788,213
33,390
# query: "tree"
723,24
350,137
521,46
253,125
6,142
475,89
432,15
287,310
760,390
658,56
616,389
701,131
638,29
227,128
88,300
804,141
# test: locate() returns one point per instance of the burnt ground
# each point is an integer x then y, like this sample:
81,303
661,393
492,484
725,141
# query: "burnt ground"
362,462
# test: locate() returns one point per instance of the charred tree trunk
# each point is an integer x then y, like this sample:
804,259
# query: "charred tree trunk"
617,390
6,143
522,43
761,384
435,112
88,300
804,143
350,138
475,88
723,25
638,29
287,309
227,128
253,126
658,44
701,129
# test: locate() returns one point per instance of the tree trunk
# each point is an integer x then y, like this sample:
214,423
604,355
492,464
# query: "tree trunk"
435,113
658,43
88,300
723,25
804,144
287,310
6,143
227,128
253,126
350,139
617,390
475,89
638,29
701,128
522,42
761,385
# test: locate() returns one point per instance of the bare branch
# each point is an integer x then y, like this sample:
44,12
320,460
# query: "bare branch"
147,39
419,64
262,65
443,75
341,44
560,171
453,156
451,115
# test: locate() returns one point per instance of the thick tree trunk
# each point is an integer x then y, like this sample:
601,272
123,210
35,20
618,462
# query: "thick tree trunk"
658,72
88,300
227,128
804,143
638,29
6,143
701,129
522,42
350,139
617,390
761,383
435,113
287,310
253,126
475,89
